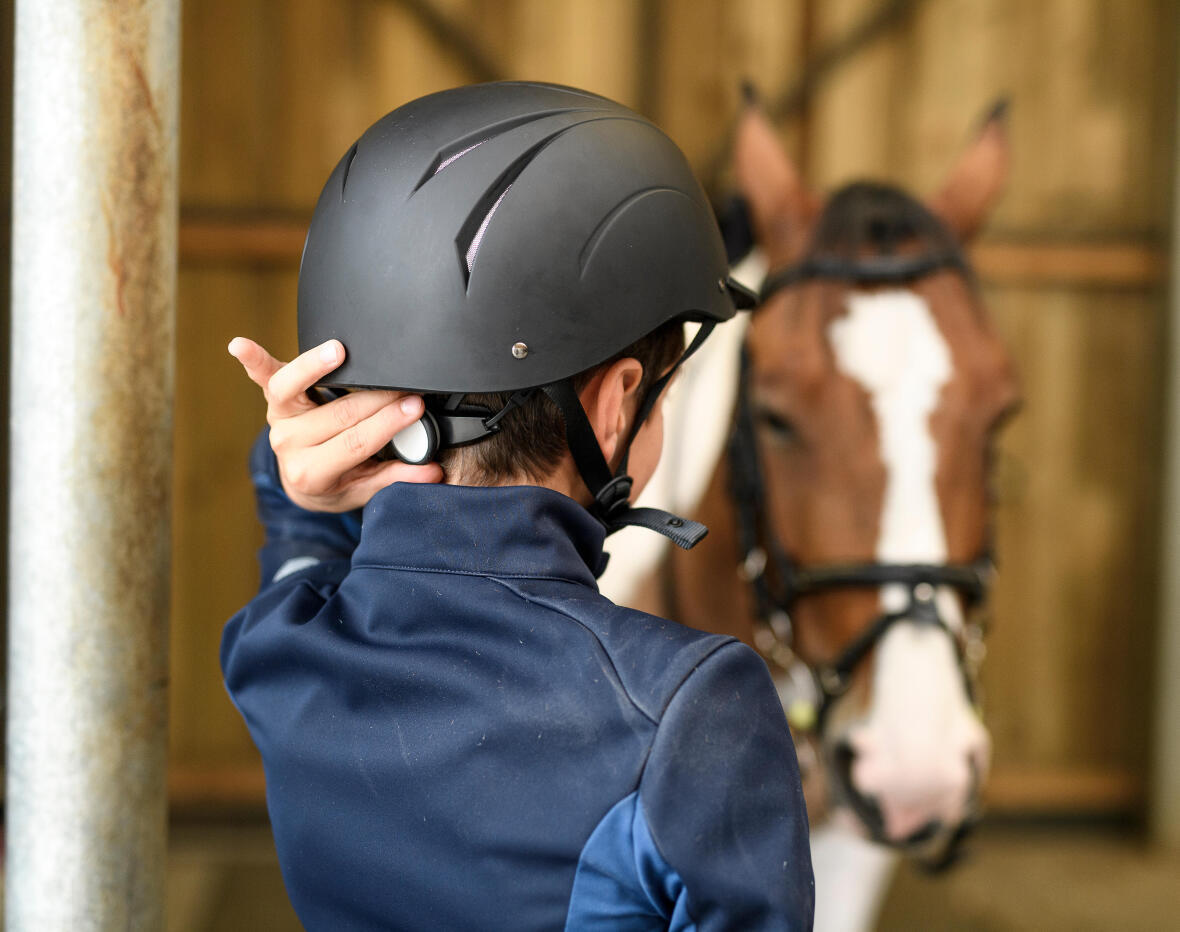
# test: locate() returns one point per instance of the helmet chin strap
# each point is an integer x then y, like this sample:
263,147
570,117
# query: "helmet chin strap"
612,490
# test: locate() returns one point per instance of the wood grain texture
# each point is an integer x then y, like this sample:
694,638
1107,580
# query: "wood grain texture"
218,414
1092,86
1067,680
238,239
275,90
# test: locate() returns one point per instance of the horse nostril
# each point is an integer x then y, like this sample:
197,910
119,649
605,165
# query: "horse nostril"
843,756
867,809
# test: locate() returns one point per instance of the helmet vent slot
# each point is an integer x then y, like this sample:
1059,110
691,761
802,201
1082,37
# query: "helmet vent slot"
458,155
347,168
472,232
461,146
483,226
476,225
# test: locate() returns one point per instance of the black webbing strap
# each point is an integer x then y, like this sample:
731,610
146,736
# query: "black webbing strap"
517,400
612,491
657,388
683,532
580,437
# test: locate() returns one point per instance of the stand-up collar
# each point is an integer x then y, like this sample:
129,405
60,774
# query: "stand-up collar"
501,531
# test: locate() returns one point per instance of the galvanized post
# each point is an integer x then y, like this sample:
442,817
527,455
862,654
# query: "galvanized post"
93,293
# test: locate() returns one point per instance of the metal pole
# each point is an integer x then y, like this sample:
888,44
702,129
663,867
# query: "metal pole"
93,293
1165,803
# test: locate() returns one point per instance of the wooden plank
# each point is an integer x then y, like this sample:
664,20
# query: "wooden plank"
215,533
1074,252
277,239
1064,791
1025,791
236,785
1076,491
583,43
1091,86
237,240
1132,265
708,49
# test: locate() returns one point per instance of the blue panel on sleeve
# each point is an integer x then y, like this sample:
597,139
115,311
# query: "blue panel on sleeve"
623,882
291,532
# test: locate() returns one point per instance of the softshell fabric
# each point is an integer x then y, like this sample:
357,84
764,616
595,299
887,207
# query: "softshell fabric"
460,732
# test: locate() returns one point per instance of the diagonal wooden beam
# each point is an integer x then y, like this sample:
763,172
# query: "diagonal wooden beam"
882,19
455,38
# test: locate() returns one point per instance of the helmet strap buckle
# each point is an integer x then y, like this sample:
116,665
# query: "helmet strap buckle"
614,497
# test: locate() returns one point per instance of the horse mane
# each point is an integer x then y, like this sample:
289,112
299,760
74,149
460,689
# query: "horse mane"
871,218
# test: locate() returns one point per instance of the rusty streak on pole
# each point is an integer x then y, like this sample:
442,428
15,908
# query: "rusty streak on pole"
93,294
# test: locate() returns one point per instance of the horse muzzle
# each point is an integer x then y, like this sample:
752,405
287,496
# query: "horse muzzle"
924,815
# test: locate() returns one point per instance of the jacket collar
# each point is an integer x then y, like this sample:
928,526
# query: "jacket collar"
500,531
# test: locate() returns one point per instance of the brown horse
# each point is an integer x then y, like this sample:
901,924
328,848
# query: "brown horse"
854,496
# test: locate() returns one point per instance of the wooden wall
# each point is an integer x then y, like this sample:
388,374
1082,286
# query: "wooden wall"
275,90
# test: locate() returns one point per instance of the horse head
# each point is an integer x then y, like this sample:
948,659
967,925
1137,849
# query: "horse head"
872,387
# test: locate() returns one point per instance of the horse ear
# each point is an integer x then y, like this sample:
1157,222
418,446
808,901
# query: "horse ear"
977,180
780,204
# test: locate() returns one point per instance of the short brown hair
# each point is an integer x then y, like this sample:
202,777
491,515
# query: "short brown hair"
531,440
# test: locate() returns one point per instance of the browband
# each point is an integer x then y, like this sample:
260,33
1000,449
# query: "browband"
863,271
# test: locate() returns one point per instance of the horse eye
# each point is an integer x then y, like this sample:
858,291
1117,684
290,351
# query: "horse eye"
778,425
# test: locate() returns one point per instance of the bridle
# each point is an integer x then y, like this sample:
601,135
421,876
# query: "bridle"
777,580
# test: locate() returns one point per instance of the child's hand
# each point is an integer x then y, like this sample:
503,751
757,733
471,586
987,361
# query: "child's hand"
325,452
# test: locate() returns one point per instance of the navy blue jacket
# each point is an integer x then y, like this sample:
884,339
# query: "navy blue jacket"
460,732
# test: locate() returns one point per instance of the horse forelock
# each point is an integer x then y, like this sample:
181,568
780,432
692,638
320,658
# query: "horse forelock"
872,218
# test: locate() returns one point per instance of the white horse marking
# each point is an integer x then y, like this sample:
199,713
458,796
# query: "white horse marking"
851,876
916,747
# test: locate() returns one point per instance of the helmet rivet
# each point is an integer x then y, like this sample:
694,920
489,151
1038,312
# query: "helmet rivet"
924,592
721,285
520,350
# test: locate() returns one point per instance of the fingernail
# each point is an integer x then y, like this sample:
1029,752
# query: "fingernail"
235,346
328,352
412,405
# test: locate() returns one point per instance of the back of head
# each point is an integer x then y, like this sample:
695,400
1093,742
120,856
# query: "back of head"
506,237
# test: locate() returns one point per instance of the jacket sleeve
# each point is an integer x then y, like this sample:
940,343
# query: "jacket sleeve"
304,558
296,539
723,800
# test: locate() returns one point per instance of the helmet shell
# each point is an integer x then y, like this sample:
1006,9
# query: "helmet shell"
504,236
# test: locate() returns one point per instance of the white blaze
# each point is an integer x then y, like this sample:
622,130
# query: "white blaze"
914,746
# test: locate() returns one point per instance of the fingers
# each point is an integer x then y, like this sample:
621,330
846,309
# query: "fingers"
286,390
313,470
319,424
324,452
360,484
356,444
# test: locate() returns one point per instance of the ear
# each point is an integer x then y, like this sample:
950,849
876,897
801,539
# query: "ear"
780,204
610,400
977,180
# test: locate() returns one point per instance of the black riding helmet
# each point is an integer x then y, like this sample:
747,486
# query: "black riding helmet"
504,238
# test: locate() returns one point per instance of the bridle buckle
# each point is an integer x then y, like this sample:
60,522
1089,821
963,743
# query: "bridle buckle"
753,566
